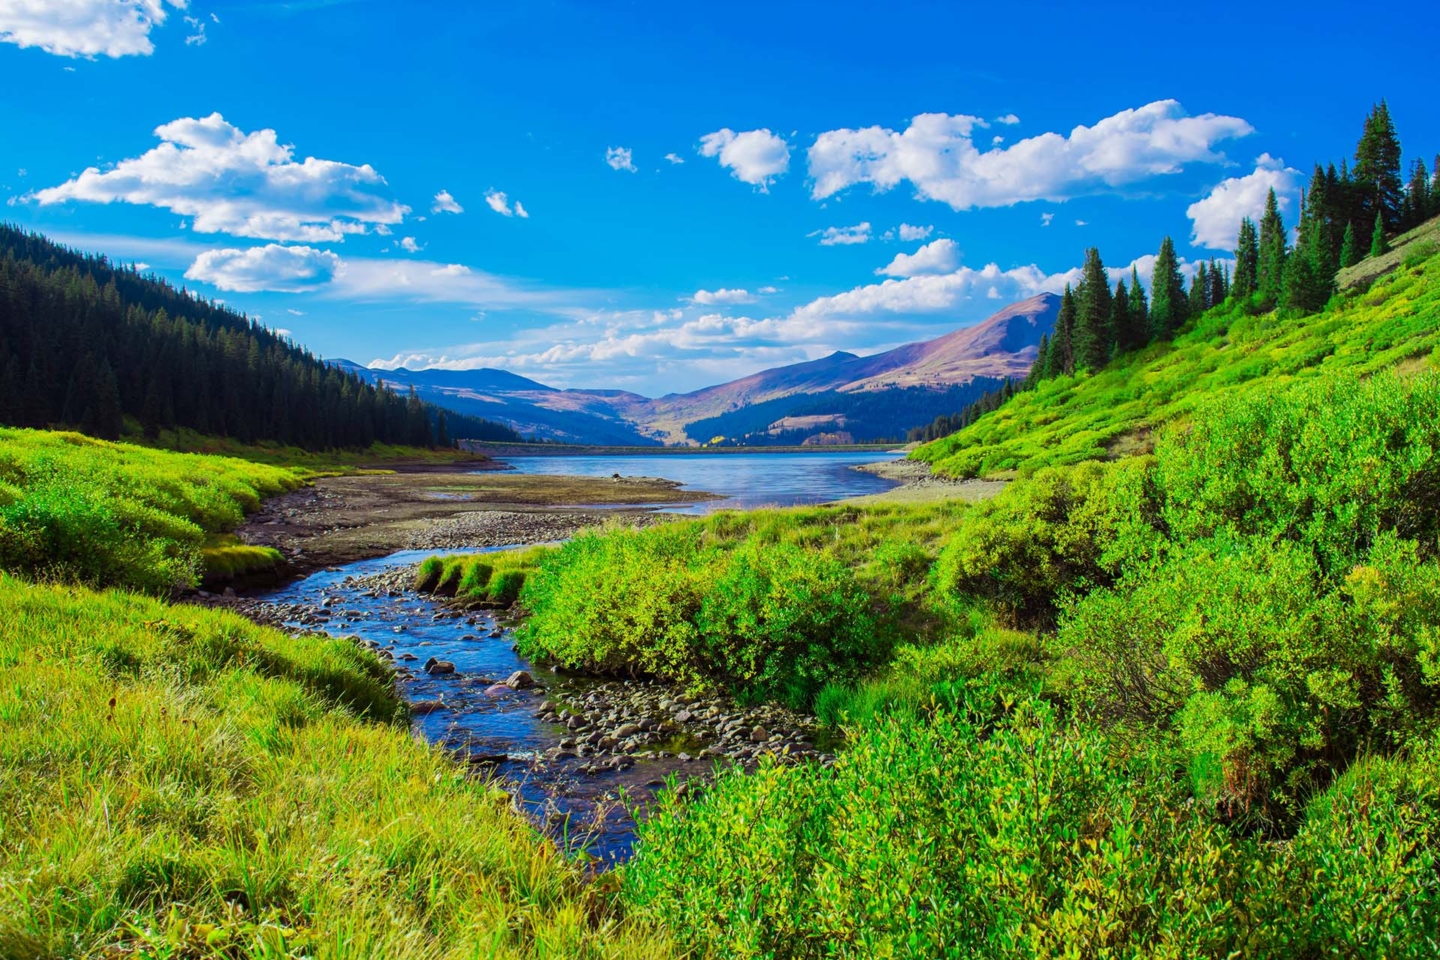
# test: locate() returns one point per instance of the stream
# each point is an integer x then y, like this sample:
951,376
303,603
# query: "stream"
575,753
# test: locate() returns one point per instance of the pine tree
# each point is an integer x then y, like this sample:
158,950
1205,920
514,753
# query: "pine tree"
1379,246
1139,307
1128,334
1219,286
1062,344
1271,273
1417,196
1199,288
442,436
1377,167
1247,261
1349,249
1169,305
1094,340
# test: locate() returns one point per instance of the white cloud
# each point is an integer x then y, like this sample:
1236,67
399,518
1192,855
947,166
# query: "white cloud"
674,158
247,185
409,245
1082,223
755,157
84,28
197,38
271,267
619,158
283,332
1045,219
723,295
500,203
937,256
767,290
910,233
843,236
445,203
294,313
937,155
1008,120
1217,217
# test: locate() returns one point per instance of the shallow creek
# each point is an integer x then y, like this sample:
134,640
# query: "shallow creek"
576,754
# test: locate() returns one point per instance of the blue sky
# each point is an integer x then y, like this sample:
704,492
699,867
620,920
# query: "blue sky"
489,184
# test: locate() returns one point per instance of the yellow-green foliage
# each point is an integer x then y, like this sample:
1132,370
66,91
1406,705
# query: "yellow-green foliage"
225,557
76,508
177,782
1223,357
996,829
771,604
493,579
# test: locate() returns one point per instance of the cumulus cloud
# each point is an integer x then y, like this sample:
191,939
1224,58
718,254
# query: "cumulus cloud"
939,158
619,158
244,184
755,157
197,38
445,203
843,236
937,256
500,203
271,267
1217,217
409,245
85,28
909,233
1045,219
722,295
674,158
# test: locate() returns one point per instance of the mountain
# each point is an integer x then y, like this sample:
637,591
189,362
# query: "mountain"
903,387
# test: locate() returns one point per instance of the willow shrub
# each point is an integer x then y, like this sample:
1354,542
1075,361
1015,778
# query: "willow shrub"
1007,832
765,620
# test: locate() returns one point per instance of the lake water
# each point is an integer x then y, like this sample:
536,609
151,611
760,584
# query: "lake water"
745,480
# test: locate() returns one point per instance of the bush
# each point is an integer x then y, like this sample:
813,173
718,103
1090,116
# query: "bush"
488,579
765,620
1064,530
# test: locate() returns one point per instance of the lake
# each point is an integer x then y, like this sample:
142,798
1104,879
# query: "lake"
745,480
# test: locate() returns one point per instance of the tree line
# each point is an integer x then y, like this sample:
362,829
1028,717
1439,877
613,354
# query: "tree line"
86,344
1346,214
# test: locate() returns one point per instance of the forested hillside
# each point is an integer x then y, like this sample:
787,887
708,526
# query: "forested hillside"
86,343
1123,361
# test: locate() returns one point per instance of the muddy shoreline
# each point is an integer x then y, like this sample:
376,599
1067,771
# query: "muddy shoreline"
340,520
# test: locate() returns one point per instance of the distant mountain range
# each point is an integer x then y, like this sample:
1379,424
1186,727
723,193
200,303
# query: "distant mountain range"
872,397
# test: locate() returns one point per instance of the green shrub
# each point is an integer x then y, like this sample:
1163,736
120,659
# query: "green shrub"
766,620
995,833
1063,530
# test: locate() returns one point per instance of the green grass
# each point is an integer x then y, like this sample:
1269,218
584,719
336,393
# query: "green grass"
225,557
1225,355
483,579
312,462
79,509
176,782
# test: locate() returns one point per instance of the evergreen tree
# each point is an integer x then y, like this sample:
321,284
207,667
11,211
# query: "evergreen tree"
1349,249
1199,290
1128,334
1379,246
1139,309
1377,167
102,418
1169,305
1247,261
1417,196
442,436
1271,273
1094,340
1062,344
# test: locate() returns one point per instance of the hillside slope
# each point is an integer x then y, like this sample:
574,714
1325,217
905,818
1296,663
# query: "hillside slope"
1394,322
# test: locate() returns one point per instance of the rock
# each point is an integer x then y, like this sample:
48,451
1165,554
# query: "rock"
408,657
684,757
496,690
759,735
422,707
683,716
230,593
520,680
627,730
437,668
469,636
